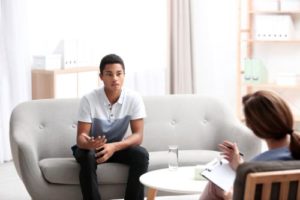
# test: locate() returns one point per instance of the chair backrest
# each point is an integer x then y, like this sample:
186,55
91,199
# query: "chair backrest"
268,180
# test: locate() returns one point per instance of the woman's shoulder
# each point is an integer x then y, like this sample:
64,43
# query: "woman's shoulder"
282,153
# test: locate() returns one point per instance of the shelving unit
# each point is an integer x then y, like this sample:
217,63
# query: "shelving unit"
64,83
250,46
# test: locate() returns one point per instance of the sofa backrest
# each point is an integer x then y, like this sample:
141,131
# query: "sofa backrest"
49,126
191,121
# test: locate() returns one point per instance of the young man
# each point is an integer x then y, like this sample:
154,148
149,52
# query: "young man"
104,116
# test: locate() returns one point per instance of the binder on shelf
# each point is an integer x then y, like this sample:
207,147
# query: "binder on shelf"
255,71
75,53
273,27
247,70
70,53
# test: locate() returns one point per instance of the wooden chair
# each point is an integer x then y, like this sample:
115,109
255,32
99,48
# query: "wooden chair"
267,179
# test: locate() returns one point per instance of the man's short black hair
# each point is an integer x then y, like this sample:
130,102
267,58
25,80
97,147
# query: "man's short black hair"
110,59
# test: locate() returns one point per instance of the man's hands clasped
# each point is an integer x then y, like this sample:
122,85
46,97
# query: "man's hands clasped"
103,150
94,143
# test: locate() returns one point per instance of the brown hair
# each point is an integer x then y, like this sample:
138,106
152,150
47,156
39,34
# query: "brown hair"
268,115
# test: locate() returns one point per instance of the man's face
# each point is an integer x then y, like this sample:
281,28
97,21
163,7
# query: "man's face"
113,77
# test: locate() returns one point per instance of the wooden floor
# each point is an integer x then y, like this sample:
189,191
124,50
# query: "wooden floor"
12,188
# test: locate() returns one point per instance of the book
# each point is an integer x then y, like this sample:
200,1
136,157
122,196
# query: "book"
220,173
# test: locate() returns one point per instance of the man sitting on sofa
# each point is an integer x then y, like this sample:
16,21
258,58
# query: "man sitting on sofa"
104,116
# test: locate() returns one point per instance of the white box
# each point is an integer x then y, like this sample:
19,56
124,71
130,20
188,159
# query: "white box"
53,61
290,5
273,27
287,79
265,5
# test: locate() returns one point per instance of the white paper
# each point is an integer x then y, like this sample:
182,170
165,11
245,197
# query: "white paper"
220,173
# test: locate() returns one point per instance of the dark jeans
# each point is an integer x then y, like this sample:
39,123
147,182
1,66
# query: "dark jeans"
137,158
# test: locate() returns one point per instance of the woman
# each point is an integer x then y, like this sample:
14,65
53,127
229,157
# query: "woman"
270,119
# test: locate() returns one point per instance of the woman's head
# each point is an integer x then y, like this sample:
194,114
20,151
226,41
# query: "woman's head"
269,117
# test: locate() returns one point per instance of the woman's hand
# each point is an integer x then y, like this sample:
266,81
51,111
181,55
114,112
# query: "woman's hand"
228,195
231,153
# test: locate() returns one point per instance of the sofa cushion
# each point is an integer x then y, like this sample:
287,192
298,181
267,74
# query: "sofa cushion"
66,170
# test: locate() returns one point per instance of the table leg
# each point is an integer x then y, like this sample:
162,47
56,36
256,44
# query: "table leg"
151,193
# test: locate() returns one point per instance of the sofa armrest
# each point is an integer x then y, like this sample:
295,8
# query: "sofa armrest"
25,152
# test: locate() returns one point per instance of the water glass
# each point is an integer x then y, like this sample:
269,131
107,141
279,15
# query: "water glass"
173,157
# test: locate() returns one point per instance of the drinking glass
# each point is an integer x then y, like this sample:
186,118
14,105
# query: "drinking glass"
173,157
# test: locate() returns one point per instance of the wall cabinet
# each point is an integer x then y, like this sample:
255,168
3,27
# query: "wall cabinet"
268,50
64,83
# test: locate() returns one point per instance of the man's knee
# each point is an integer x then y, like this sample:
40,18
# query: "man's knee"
84,155
141,155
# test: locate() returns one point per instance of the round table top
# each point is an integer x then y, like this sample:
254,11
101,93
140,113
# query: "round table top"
178,181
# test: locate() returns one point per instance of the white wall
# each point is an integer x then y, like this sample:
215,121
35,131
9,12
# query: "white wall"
134,33
215,33
134,29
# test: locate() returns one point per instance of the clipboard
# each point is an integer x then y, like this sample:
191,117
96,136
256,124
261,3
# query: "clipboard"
220,173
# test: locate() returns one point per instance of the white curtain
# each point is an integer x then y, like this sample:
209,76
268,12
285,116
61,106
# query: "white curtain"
182,69
14,66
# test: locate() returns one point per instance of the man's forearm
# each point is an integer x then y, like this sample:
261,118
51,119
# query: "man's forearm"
82,141
132,140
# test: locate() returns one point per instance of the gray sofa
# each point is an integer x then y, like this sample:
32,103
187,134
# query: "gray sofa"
42,132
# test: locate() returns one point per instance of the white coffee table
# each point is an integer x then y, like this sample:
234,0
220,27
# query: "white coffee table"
178,181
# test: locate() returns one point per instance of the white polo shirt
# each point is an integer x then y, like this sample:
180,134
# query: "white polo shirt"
110,120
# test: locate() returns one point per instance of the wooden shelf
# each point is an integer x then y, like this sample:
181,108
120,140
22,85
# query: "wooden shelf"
68,70
293,41
63,83
249,47
257,85
266,12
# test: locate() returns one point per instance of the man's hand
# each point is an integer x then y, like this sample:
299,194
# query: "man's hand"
84,141
94,143
105,152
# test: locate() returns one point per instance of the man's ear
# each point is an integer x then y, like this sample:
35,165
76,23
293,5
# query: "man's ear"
100,76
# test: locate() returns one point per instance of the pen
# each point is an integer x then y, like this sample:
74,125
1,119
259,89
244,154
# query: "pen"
229,147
